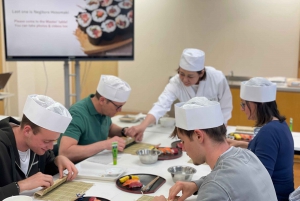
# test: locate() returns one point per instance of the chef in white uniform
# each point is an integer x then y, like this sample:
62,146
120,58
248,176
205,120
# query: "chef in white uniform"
193,80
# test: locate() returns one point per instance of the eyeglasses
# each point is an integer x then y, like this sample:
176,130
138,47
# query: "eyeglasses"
117,106
243,105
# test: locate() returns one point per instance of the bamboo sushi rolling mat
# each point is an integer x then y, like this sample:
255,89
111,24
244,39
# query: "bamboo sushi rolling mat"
133,148
65,191
149,198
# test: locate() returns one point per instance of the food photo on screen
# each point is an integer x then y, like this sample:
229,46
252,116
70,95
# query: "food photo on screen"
69,29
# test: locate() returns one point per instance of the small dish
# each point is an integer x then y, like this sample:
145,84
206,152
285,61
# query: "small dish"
89,170
113,172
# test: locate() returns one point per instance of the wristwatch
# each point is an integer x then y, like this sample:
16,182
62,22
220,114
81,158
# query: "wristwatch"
123,132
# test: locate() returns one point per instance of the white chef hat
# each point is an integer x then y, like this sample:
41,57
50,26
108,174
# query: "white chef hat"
192,59
113,88
198,113
258,89
47,113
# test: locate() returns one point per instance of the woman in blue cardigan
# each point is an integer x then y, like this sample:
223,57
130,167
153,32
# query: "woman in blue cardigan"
273,144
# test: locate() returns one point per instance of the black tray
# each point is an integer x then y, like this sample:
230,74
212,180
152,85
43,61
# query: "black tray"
144,179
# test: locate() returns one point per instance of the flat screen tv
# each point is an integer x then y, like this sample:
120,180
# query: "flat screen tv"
68,30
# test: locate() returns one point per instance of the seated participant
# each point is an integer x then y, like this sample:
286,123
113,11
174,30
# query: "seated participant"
273,144
194,79
91,124
26,157
237,174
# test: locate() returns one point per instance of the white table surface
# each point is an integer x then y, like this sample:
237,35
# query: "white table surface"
153,135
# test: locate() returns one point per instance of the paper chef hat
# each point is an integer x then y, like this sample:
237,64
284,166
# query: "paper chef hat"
47,113
198,113
192,59
258,89
113,88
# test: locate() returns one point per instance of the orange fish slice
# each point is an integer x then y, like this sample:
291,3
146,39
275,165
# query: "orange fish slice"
128,182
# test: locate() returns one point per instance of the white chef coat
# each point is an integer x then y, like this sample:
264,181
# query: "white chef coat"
215,87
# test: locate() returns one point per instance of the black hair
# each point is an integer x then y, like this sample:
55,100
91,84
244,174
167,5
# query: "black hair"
199,72
265,112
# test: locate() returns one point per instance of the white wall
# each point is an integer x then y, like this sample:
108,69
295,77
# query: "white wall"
33,78
257,38
254,38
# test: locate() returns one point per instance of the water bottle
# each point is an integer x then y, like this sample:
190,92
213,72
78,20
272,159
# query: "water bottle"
291,124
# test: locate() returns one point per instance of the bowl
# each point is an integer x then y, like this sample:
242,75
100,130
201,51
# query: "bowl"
148,156
182,173
167,121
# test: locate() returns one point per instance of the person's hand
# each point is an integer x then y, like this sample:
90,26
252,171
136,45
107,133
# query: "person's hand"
187,189
136,132
62,163
37,180
236,143
231,142
159,198
121,143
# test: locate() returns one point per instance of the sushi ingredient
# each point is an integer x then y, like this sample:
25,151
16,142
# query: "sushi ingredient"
112,11
130,14
168,150
126,4
121,23
94,199
99,14
129,181
123,179
179,145
246,137
109,24
237,136
96,32
165,150
152,147
136,184
106,2
85,17
92,3
174,150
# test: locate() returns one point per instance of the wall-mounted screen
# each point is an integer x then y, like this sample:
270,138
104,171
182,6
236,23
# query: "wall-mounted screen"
69,29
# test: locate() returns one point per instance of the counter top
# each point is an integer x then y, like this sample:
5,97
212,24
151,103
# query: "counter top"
280,86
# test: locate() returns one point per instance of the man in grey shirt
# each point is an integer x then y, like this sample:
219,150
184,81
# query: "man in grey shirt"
237,174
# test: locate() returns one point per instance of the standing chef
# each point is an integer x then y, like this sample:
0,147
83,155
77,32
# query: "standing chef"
193,80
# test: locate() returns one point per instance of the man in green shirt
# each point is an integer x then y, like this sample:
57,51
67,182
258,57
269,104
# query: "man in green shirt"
91,124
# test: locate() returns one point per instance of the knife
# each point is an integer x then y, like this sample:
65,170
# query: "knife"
148,186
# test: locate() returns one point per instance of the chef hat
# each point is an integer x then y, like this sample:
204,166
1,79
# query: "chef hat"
258,89
113,88
47,113
192,59
198,113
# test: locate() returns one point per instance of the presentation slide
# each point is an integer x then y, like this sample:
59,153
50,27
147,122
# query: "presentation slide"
68,28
